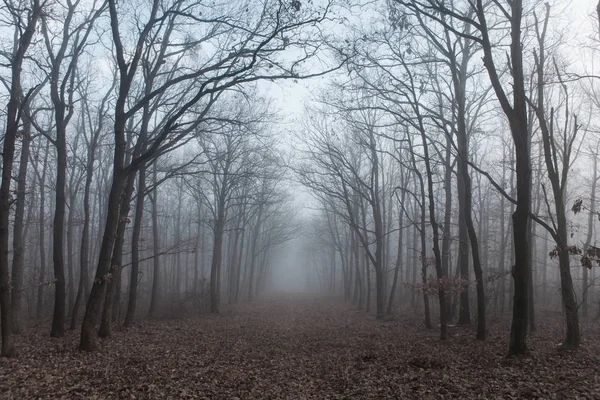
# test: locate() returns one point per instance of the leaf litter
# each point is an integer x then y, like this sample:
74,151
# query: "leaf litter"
298,347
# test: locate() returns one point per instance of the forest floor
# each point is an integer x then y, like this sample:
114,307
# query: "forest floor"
296,347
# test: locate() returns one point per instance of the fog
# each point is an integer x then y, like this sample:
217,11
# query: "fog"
299,199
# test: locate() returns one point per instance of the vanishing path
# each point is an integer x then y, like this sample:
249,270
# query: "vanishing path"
291,347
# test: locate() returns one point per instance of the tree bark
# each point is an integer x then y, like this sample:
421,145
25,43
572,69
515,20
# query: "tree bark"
116,262
216,264
588,238
253,251
42,233
18,234
398,266
85,236
135,248
154,298
447,230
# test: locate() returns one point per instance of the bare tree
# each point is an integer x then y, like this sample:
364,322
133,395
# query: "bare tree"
249,55
92,124
26,20
516,113
73,39
557,174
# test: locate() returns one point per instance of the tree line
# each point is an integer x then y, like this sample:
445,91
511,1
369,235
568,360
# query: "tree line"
452,155
141,165
450,162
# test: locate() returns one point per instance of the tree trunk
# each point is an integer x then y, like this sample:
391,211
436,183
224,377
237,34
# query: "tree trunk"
464,313
435,229
178,241
70,262
135,248
233,259
253,249
85,237
558,181
365,258
156,248
88,328
398,266
517,118
530,293
446,230
466,204
588,238
216,264
42,276
116,263
18,235
239,264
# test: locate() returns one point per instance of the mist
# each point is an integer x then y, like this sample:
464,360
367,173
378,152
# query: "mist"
299,199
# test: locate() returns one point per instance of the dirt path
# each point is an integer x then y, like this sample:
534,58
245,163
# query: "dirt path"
293,347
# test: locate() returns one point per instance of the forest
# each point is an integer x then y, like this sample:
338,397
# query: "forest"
299,199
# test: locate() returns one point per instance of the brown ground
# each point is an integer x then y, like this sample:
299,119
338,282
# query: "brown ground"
294,347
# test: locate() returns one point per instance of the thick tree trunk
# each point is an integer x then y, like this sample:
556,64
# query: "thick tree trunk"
520,270
530,294
88,328
481,333
447,231
501,284
116,263
464,313
61,120
70,262
8,349
73,189
573,335
135,248
58,225
517,118
18,235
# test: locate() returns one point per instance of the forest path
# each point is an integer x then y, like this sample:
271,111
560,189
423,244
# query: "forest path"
292,347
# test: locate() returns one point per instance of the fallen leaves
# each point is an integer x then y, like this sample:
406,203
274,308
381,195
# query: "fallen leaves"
296,347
